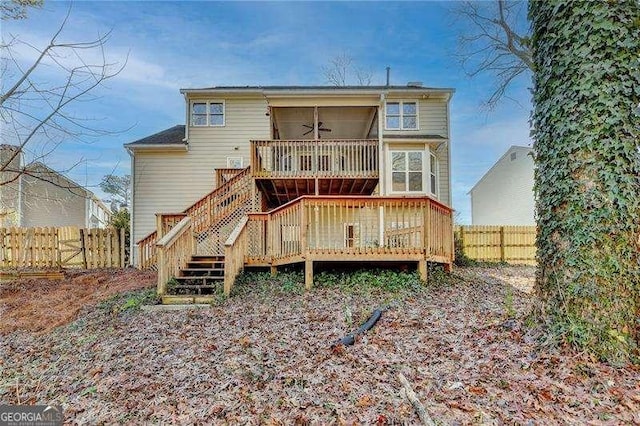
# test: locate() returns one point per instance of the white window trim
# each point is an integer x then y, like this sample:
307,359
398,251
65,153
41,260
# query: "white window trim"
401,102
230,159
436,174
425,181
208,102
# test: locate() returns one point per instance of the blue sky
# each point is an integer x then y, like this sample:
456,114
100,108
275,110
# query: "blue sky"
170,45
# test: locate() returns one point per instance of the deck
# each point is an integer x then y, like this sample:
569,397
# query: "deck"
339,228
287,169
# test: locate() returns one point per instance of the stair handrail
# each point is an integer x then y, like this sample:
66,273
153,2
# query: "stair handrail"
235,249
147,244
174,250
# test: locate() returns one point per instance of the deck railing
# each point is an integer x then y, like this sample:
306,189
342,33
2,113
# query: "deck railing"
174,250
328,226
322,158
335,228
221,203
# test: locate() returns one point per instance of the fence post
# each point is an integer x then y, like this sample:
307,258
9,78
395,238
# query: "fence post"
502,257
122,248
83,247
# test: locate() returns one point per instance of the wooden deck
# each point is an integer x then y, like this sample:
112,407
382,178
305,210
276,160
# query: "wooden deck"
338,228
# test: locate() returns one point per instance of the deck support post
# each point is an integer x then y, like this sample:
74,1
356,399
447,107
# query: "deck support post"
274,270
308,274
422,270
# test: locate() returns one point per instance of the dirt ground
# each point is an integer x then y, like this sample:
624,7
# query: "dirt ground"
265,357
39,305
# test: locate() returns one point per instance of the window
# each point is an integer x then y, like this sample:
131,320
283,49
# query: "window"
401,116
234,162
406,171
207,113
433,172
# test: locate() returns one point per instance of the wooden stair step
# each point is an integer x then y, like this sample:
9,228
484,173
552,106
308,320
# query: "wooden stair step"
200,277
196,286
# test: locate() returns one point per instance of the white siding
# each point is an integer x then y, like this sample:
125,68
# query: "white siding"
504,195
169,182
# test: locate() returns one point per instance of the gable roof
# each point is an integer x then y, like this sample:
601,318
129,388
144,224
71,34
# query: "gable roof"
171,136
511,149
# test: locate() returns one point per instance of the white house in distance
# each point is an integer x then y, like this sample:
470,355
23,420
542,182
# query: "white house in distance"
504,195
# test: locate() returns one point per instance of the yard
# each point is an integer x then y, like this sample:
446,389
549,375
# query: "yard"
264,356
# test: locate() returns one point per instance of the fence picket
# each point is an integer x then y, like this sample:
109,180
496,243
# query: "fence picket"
510,244
61,247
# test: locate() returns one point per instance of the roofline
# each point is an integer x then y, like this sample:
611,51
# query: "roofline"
157,146
496,163
318,90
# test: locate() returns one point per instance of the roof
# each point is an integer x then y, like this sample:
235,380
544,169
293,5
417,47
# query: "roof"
420,137
171,136
511,149
307,90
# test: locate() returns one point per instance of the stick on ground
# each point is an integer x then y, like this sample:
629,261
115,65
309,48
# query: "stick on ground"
417,405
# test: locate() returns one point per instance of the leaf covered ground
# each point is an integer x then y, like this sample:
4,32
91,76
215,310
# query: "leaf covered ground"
264,356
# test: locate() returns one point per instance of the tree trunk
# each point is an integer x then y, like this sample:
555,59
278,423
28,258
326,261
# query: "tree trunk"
586,126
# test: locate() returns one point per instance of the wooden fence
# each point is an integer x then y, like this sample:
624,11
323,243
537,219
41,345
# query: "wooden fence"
65,247
509,244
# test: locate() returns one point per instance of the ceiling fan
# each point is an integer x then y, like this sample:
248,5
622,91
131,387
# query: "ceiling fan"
320,128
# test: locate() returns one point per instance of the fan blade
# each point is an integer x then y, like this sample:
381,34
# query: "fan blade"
308,127
325,130
305,134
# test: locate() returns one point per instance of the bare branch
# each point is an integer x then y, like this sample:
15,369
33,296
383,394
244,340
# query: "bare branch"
495,45
33,109
341,71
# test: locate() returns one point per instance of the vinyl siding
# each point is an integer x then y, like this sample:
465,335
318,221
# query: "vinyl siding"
45,204
432,118
170,182
9,193
504,196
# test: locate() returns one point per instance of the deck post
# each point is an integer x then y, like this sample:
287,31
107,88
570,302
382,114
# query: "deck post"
308,274
274,270
422,270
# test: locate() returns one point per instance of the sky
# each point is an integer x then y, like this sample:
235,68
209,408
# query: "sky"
165,46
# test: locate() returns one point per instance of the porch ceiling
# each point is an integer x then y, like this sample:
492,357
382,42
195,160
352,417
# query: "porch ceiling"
344,122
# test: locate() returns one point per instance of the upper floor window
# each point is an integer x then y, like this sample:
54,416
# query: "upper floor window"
207,113
401,116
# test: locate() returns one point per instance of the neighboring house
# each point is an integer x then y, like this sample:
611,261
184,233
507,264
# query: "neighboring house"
504,195
365,168
40,196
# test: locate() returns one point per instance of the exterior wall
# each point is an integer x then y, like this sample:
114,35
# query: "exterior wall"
46,204
97,214
169,182
504,195
9,193
432,117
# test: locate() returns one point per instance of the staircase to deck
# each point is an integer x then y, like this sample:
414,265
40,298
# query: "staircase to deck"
190,245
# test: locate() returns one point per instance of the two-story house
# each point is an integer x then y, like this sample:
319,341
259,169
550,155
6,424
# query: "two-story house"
34,195
268,176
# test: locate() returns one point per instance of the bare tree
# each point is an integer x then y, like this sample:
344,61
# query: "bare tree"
17,9
497,43
342,71
41,89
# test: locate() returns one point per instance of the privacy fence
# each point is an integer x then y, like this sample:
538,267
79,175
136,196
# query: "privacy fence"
510,244
64,247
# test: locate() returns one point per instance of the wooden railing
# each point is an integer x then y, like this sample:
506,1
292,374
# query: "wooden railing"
334,227
324,158
235,249
174,250
224,175
205,212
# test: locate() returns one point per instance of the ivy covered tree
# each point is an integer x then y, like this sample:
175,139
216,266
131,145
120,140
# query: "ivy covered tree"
586,128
